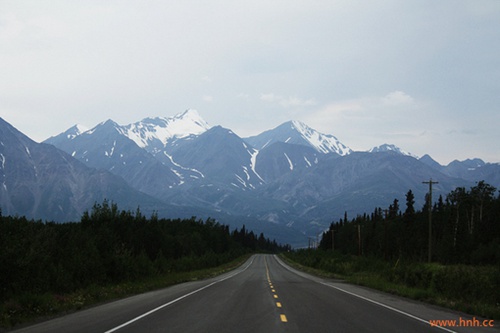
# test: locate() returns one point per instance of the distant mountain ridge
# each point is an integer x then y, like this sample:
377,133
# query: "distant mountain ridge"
40,181
391,148
290,175
154,134
290,179
296,132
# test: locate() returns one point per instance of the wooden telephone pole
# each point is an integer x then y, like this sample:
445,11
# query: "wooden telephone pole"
359,240
430,182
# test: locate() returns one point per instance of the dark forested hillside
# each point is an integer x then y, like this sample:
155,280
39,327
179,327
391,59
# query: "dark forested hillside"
465,229
111,246
388,249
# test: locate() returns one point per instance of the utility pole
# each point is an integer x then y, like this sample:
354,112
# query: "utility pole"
359,239
386,211
430,182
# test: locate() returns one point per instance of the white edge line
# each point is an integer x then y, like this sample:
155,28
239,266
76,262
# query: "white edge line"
367,299
388,307
175,300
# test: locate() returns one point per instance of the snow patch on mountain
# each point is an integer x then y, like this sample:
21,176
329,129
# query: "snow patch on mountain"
391,148
112,150
75,131
183,168
267,143
321,142
246,183
296,132
253,161
151,131
289,161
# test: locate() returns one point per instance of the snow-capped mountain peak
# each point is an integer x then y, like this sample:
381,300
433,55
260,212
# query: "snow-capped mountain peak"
390,147
323,143
157,132
188,123
69,134
296,132
103,126
79,129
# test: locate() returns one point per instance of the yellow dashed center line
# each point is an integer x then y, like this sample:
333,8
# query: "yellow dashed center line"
278,304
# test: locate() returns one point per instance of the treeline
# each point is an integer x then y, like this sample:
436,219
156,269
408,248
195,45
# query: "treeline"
111,246
465,229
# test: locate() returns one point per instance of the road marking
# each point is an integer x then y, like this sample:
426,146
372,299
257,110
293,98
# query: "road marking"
176,300
386,306
362,297
278,304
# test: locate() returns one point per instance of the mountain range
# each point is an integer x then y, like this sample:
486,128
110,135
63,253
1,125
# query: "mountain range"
289,182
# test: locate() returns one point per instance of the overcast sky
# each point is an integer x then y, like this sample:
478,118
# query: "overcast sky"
424,75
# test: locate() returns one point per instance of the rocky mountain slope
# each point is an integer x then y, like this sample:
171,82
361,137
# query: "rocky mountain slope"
288,177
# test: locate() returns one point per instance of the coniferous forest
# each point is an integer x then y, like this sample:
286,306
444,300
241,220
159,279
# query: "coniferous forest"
389,250
109,247
465,229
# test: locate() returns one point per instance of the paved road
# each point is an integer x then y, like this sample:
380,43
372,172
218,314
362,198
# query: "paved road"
263,295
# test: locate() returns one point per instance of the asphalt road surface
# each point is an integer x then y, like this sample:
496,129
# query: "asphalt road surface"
263,295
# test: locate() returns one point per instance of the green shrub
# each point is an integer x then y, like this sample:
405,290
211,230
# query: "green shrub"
468,283
473,289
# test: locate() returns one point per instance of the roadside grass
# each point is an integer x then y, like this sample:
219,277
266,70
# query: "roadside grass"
32,308
470,289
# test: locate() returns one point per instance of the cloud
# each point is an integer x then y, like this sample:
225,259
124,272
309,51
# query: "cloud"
397,98
287,102
366,108
368,121
354,68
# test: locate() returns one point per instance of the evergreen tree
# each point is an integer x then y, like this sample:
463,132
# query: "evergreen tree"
410,202
394,209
